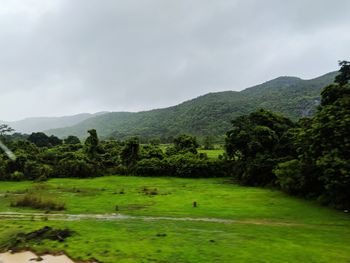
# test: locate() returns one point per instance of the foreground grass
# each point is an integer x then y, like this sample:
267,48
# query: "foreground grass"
271,227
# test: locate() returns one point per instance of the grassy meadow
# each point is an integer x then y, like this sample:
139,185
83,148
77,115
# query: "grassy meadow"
263,225
212,153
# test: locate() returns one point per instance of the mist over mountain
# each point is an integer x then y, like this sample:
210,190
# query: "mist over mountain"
37,124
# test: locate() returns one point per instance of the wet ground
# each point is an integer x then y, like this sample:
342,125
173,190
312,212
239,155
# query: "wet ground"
30,257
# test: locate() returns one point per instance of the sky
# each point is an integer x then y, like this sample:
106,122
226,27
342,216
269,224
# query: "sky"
63,57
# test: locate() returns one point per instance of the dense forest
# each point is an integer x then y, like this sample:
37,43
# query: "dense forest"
207,115
309,157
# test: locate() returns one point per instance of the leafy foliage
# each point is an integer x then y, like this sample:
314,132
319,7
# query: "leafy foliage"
310,158
186,143
130,153
40,139
344,77
255,142
72,140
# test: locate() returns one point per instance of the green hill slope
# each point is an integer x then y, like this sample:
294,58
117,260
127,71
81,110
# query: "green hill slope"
209,114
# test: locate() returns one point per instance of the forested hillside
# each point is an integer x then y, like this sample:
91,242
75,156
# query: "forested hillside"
210,114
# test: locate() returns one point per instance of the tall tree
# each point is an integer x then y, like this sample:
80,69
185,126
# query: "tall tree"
92,143
130,152
322,168
40,139
186,143
344,73
71,139
254,142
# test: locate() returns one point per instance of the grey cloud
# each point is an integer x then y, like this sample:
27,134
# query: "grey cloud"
90,55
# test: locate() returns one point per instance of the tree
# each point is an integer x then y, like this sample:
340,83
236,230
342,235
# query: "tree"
71,139
254,142
92,143
329,149
321,168
151,151
130,152
258,132
54,140
5,129
331,93
344,73
40,139
186,143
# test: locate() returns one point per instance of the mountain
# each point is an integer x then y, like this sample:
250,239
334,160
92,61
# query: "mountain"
37,124
209,114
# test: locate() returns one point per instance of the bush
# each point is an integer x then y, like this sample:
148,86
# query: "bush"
17,176
38,202
32,170
153,167
335,179
289,176
257,171
182,165
76,168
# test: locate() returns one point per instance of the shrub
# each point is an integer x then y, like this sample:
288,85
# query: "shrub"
38,202
16,176
153,167
289,176
76,168
183,165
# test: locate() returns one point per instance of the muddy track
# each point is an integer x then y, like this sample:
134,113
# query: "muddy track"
114,217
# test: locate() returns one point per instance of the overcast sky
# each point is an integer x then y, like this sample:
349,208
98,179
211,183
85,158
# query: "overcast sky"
62,57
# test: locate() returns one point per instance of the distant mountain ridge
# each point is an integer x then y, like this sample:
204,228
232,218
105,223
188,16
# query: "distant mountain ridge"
37,124
210,114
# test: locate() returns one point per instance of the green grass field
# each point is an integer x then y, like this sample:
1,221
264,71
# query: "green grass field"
262,225
212,154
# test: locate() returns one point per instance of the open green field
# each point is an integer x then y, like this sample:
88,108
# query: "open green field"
230,224
212,154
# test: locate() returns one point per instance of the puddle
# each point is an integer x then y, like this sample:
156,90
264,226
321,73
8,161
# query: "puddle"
30,257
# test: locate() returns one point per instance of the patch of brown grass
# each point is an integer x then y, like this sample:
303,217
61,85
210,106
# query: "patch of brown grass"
38,202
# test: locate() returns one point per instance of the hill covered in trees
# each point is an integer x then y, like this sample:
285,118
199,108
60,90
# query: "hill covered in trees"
210,114
308,157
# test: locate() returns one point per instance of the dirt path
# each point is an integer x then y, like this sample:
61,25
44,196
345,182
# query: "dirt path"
113,217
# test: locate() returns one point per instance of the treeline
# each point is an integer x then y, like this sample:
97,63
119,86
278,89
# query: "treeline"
39,157
310,158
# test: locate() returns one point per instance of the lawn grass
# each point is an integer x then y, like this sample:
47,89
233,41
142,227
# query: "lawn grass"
270,227
212,154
